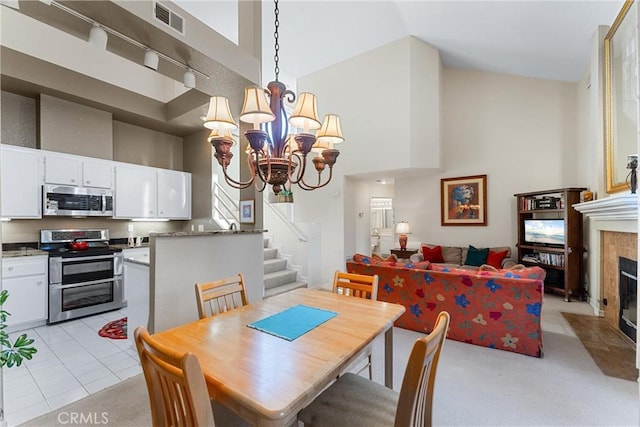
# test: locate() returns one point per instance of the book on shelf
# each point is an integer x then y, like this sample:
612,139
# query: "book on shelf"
541,203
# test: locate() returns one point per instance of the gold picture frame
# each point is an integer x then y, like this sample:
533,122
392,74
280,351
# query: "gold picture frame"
620,101
463,200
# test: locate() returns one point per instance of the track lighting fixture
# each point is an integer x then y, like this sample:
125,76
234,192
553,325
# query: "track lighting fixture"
98,37
99,33
189,79
151,60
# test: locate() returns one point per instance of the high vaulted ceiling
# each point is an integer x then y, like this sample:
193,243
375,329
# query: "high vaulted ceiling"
535,38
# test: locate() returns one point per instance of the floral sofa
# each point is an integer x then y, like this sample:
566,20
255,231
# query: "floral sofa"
488,307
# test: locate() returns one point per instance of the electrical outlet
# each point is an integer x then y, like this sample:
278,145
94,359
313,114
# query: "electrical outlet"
129,227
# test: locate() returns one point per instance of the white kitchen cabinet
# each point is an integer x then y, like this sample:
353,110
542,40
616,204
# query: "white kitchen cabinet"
135,192
136,288
144,192
174,194
62,170
97,174
26,279
21,183
77,171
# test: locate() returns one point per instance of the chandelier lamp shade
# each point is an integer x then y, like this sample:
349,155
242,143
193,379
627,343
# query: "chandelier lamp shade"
276,155
402,228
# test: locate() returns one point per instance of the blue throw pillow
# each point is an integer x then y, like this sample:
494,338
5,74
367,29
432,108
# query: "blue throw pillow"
476,256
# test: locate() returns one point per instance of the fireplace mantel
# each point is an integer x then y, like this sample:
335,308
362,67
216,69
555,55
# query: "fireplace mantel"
610,214
623,207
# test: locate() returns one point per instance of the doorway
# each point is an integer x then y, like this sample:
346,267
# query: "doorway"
382,220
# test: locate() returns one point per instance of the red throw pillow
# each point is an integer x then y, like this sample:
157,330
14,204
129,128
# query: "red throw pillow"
494,259
432,254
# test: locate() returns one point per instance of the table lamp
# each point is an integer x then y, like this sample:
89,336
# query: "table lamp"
402,228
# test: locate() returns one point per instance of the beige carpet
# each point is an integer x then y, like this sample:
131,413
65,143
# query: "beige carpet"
612,352
123,404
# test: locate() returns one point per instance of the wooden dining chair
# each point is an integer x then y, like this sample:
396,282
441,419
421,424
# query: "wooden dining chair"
220,296
177,389
355,401
356,285
359,286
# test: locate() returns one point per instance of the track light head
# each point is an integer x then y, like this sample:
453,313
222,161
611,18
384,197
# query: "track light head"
98,37
189,79
151,60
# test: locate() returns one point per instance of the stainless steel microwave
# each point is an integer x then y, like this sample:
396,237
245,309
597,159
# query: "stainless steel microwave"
58,200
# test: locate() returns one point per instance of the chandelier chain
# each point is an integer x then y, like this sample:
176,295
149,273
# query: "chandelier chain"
275,36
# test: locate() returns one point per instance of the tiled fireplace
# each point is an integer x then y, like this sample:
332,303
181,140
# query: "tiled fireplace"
615,245
612,234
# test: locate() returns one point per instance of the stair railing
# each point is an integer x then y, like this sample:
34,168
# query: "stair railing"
302,237
224,209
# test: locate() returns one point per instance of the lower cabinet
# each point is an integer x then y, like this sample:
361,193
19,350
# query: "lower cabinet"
26,279
136,288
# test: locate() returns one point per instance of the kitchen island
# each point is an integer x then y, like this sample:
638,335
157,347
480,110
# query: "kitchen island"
179,260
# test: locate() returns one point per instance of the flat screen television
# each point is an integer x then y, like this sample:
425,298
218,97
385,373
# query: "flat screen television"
544,231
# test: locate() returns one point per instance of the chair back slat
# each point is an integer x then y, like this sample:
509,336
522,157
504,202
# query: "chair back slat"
416,394
178,394
356,285
220,296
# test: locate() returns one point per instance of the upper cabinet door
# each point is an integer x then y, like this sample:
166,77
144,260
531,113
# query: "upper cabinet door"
21,184
174,194
135,192
97,174
62,170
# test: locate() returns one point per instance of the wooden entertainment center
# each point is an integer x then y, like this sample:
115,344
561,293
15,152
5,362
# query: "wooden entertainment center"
561,255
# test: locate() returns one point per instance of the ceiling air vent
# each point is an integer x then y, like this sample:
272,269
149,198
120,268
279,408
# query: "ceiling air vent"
169,17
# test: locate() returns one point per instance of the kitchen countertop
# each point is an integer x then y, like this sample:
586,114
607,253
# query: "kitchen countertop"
139,261
25,251
205,233
126,246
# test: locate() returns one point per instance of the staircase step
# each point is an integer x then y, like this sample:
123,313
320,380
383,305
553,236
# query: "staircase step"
270,253
279,278
284,288
275,264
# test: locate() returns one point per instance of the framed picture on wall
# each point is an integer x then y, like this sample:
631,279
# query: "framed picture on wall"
247,211
463,200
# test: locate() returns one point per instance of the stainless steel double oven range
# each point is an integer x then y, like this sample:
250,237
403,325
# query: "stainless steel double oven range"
85,273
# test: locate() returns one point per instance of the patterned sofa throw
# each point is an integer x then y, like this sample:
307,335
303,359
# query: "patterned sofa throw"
498,310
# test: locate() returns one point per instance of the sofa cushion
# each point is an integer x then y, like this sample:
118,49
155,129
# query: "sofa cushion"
535,273
390,258
433,254
450,254
494,258
476,256
453,268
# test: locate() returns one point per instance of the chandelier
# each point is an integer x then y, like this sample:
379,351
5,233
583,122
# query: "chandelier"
274,155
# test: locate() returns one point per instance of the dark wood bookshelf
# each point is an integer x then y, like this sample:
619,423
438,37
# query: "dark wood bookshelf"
563,264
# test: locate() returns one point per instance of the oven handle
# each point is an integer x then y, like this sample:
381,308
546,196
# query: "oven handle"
87,258
77,285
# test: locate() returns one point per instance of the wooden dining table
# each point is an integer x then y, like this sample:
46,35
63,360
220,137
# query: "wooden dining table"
267,380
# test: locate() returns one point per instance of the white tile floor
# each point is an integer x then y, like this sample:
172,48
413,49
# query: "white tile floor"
72,362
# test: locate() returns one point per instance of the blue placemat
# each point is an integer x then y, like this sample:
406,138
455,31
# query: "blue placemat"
293,322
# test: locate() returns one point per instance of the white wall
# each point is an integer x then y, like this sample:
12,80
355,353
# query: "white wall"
520,132
379,96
